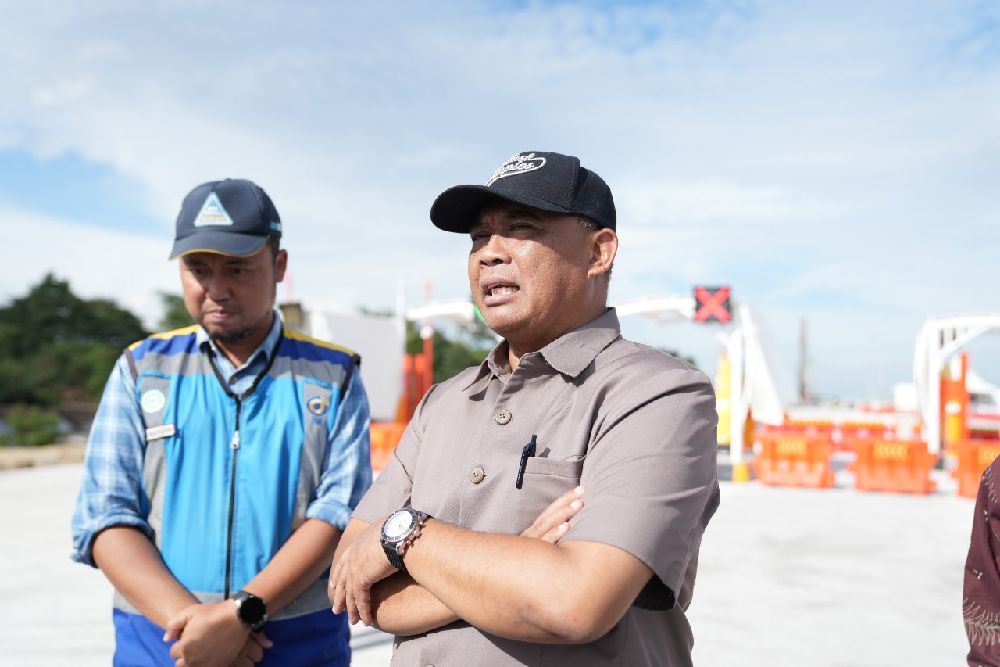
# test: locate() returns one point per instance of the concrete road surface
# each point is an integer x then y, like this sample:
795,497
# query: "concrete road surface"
788,577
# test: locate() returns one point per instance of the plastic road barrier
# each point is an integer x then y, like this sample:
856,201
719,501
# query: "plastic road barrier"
791,460
974,456
897,466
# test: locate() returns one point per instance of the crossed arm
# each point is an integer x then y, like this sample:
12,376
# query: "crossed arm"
529,587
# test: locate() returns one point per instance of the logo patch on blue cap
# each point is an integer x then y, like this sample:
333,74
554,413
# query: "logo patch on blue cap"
212,213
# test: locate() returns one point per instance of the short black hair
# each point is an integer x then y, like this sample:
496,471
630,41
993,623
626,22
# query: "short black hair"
274,243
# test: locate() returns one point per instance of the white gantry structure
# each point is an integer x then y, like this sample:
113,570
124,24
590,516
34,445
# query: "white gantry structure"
752,382
940,339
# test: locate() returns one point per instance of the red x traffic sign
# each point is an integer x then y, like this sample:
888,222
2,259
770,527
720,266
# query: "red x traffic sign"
713,304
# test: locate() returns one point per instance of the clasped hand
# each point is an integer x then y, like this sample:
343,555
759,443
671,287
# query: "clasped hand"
211,635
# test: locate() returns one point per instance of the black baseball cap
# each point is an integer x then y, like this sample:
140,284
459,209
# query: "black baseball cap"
548,181
230,217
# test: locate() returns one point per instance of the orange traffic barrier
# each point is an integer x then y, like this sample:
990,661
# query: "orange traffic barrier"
898,466
384,438
791,460
974,456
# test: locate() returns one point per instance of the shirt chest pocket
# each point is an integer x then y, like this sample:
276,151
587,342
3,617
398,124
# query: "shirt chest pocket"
545,480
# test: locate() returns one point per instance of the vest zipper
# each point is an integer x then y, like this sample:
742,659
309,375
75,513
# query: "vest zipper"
235,446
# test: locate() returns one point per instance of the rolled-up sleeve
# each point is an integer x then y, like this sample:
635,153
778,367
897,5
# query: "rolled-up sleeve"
111,489
347,471
650,481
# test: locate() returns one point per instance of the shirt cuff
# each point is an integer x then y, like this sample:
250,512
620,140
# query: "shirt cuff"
334,513
84,543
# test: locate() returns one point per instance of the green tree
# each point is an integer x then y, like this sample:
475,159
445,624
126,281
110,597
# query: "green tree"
52,343
31,425
175,314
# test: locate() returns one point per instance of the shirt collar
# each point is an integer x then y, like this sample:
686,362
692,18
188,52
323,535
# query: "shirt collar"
569,354
265,348
573,352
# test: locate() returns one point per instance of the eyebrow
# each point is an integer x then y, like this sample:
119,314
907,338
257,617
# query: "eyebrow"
521,212
518,213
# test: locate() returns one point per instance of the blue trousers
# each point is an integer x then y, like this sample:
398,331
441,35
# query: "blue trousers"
319,639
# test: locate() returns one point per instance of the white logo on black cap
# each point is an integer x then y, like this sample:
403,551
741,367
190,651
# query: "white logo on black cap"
521,163
212,213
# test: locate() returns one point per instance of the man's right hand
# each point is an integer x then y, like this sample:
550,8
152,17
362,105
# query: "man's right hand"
553,523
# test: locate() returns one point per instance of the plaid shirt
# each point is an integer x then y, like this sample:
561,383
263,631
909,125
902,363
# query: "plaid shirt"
111,491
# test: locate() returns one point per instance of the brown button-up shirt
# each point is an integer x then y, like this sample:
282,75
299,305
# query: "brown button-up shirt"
634,425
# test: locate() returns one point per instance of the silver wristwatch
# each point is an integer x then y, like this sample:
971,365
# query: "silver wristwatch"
399,531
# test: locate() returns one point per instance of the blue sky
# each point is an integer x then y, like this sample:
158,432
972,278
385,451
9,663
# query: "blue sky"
833,161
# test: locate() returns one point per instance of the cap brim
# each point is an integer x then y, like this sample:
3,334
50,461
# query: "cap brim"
219,242
457,209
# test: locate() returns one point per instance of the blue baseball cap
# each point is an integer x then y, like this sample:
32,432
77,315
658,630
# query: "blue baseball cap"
230,217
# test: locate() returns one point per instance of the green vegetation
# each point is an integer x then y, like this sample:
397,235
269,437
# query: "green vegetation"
30,425
175,314
55,349
55,345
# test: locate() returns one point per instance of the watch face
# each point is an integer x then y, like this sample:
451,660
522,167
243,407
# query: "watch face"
397,525
252,610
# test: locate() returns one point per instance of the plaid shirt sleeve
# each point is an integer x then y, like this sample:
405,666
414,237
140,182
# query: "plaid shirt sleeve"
111,490
347,471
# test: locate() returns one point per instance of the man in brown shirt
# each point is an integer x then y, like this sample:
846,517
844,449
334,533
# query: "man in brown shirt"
562,401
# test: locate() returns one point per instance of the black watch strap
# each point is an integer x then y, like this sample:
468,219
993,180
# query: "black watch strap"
395,559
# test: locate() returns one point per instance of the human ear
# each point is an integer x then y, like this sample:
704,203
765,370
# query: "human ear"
603,248
280,264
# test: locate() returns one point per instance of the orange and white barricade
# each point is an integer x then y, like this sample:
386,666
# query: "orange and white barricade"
897,466
794,460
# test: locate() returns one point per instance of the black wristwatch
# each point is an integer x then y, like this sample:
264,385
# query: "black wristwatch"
399,531
250,609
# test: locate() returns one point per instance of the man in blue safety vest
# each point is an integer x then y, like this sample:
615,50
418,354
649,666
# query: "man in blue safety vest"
225,460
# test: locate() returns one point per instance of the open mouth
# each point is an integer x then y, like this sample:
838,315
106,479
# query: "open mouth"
496,292
499,290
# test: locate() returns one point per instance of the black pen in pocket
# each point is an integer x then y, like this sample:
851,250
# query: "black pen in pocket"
526,452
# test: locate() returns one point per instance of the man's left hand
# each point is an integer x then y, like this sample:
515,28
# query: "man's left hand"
208,635
360,566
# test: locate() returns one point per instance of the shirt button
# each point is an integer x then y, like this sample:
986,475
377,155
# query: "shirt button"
477,475
502,416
